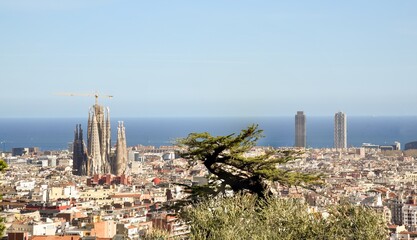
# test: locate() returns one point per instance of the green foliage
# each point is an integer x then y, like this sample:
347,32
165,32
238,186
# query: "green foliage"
259,215
2,227
225,159
244,217
157,234
3,165
355,222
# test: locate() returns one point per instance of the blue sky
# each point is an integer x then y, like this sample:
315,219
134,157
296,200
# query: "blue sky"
208,58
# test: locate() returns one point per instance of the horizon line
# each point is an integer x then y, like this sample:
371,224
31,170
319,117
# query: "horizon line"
202,116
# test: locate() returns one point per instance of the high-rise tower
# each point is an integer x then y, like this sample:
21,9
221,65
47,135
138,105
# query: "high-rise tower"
120,165
340,130
300,130
79,157
98,140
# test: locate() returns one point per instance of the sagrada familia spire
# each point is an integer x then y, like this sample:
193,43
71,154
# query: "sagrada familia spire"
121,151
98,158
79,153
98,140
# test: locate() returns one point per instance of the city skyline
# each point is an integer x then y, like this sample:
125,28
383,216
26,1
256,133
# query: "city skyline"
199,59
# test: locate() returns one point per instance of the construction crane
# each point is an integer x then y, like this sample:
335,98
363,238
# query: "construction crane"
96,95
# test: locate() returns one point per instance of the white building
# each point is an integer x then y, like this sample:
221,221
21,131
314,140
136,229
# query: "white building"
25,186
410,216
33,228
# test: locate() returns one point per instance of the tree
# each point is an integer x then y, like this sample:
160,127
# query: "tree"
260,215
156,234
225,159
355,222
243,217
2,227
3,166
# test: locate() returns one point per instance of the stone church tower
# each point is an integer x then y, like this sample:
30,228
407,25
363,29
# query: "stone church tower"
80,159
120,165
98,140
96,158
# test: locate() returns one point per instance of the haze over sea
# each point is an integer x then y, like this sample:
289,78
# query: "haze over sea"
55,134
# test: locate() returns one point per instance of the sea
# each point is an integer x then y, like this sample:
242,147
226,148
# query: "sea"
56,133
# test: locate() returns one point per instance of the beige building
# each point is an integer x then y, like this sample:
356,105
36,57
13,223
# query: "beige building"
66,191
100,195
104,229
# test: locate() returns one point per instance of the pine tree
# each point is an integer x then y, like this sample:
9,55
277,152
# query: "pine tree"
229,167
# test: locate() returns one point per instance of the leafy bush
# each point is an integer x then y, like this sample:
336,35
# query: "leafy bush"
247,217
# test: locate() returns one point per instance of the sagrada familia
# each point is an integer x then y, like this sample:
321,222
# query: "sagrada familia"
96,158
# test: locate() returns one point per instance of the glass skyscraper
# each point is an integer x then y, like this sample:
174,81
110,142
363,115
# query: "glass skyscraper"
300,130
340,130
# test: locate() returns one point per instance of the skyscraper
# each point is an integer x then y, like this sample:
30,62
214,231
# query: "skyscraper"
340,130
300,129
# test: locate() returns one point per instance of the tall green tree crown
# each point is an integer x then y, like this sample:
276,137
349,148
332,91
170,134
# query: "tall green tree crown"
226,159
